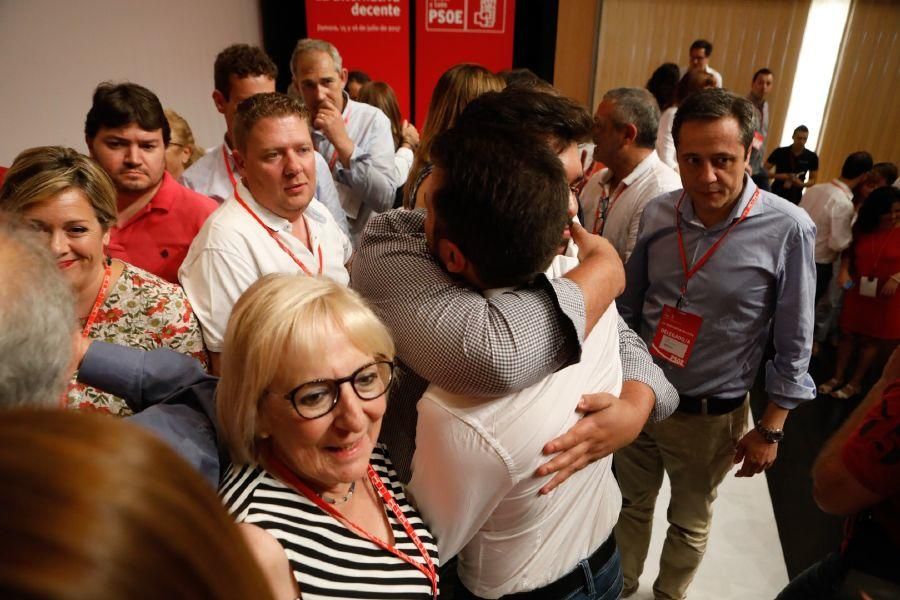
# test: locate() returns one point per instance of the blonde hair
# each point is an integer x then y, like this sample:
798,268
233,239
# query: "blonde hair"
284,315
38,174
458,86
183,136
98,508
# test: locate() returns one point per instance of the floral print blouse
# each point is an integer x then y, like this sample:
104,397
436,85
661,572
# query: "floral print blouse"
142,311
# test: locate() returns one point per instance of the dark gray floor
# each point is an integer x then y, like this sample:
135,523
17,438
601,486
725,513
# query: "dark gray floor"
807,534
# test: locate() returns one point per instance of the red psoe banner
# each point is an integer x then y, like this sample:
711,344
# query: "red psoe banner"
449,32
371,35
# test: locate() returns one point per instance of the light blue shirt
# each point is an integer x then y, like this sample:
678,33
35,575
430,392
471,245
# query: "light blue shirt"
209,176
367,186
762,276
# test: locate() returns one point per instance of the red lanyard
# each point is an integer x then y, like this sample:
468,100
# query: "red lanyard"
98,302
228,168
274,235
598,229
688,273
428,569
334,157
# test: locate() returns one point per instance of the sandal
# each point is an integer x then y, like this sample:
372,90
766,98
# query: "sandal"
846,392
830,385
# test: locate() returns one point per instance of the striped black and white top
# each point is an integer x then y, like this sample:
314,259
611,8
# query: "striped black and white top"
329,560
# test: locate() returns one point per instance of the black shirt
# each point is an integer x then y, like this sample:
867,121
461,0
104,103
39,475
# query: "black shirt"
786,161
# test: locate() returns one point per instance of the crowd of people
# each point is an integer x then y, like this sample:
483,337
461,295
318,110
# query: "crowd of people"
453,364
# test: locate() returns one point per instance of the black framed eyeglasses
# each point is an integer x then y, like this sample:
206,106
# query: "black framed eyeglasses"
315,399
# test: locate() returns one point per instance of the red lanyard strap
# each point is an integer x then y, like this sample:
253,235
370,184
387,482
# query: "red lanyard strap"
274,236
599,225
428,569
690,272
228,168
98,301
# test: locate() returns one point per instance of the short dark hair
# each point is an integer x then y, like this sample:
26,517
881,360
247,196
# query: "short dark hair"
712,104
120,104
802,128
702,44
537,112
359,77
522,77
877,204
636,106
503,201
241,60
262,106
763,71
857,164
887,171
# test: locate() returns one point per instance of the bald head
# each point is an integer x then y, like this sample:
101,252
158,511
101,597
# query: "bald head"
37,318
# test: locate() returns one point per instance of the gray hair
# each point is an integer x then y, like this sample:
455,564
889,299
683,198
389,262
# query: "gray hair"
37,318
636,106
712,104
312,45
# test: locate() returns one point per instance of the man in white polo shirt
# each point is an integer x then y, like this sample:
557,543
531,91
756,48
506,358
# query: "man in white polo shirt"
354,138
241,71
271,224
475,460
830,206
624,135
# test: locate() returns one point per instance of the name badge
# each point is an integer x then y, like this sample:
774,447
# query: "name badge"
757,142
868,287
675,335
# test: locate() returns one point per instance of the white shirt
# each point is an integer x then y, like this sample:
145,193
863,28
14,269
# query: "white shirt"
233,250
368,185
830,206
403,160
650,178
716,76
209,176
473,476
665,143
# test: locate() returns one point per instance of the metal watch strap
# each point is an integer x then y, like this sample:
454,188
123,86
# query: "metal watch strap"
772,436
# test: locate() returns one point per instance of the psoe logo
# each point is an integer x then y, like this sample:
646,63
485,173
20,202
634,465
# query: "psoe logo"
474,16
486,16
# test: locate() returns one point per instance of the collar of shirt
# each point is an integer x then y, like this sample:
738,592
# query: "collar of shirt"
271,220
843,187
639,171
314,211
689,216
161,201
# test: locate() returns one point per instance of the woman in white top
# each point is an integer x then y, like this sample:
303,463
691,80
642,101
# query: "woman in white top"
406,136
693,81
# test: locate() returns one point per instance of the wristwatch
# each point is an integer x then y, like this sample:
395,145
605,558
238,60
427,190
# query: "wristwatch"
773,436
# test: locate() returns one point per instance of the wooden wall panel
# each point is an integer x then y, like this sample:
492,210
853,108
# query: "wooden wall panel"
636,36
863,112
576,38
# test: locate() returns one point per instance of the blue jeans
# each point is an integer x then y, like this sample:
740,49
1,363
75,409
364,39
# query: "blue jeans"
606,583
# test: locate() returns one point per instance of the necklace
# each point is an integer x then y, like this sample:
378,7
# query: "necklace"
342,500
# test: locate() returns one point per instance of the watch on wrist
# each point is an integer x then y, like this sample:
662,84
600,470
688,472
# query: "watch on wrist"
772,436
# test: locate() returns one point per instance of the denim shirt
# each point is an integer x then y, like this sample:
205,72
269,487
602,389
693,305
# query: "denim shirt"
761,277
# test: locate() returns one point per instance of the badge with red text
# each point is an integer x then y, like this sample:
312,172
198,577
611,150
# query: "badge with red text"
758,140
675,335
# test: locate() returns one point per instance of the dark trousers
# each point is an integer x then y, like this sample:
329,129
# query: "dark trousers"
824,271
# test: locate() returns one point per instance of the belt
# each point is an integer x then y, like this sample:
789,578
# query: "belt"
709,406
564,586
